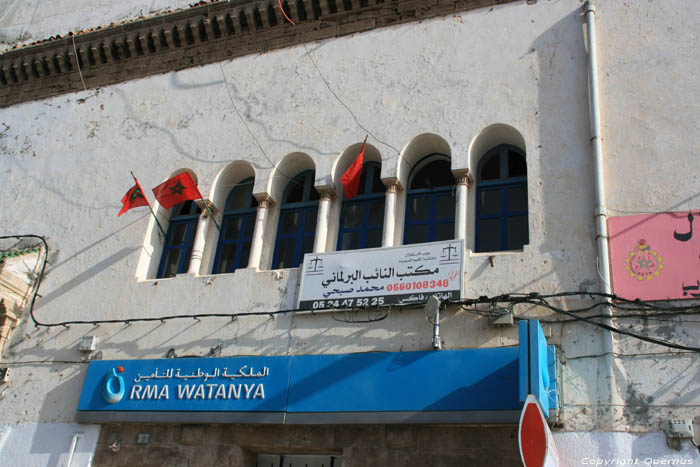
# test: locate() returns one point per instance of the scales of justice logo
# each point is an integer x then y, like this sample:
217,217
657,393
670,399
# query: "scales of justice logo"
643,263
113,386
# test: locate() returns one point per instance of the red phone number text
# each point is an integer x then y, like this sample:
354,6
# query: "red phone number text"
443,283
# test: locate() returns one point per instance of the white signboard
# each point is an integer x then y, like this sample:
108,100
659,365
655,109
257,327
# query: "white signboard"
382,276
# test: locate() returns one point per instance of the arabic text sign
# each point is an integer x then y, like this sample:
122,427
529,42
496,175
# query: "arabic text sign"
485,379
382,276
187,384
655,256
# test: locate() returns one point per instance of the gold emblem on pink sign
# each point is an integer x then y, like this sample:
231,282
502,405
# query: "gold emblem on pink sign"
655,256
644,263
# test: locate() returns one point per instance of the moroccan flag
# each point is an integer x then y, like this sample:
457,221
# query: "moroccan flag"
351,177
176,190
133,198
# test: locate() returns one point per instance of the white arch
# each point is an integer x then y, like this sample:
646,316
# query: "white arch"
290,165
347,157
153,242
416,149
490,137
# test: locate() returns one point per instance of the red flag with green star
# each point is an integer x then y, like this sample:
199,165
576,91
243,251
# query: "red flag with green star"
133,198
176,190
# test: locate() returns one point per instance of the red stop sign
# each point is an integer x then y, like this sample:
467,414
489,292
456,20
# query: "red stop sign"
536,443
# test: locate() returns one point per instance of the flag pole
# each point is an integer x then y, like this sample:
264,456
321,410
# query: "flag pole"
149,203
206,205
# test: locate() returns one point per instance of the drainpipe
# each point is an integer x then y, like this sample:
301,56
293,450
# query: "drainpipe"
603,264
73,446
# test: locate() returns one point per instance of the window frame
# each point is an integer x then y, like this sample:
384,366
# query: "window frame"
502,185
433,195
365,200
248,214
191,219
304,207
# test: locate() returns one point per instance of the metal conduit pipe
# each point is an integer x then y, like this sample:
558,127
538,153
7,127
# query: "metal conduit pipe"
601,215
73,446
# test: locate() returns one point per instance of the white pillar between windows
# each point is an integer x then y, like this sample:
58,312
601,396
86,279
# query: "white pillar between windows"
324,209
463,180
392,191
264,204
200,237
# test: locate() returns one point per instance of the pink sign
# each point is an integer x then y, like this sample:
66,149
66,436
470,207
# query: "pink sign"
655,256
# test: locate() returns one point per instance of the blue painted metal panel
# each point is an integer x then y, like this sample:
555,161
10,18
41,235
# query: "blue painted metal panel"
485,380
524,362
456,380
552,370
539,376
236,384
537,367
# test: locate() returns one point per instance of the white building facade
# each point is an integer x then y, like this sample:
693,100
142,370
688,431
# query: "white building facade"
478,121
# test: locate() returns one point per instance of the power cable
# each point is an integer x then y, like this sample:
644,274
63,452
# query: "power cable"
533,298
40,277
340,101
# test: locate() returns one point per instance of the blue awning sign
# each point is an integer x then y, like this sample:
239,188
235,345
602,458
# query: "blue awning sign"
449,386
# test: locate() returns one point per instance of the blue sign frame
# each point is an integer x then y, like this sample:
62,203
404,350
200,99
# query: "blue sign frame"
450,386
537,369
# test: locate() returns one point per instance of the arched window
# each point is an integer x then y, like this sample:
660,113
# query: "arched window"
362,218
297,223
179,239
236,228
430,201
501,200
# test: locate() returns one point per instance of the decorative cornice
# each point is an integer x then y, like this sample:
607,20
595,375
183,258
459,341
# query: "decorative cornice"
393,185
463,177
8,321
197,36
264,200
203,204
327,192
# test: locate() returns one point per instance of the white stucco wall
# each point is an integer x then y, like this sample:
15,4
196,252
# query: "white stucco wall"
27,21
66,163
620,449
43,444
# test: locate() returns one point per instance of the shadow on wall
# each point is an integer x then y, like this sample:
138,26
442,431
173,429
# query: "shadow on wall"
564,153
54,252
52,439
89,273
195,338
567,227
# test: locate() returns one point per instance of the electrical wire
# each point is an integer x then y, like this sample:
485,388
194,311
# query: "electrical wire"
350,316
257,142
279,2
626,355
533,299
40,277
340,101
77,61
41,362
245,124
